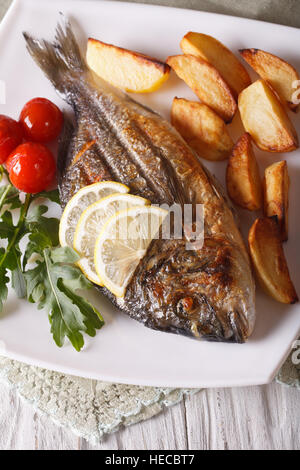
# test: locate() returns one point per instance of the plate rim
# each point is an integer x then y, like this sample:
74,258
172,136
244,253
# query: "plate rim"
264,378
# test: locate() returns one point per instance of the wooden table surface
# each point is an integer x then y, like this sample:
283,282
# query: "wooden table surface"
265,417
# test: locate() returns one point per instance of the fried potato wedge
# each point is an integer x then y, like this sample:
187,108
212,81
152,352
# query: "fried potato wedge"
218,55
125,69
276,72
269,261
206,82
201,128
243,180
276,195
265,119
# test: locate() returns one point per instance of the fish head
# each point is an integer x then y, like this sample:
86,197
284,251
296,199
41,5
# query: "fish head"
202,293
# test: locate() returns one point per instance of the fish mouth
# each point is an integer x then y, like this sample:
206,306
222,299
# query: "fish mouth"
234,332
236,337
229,328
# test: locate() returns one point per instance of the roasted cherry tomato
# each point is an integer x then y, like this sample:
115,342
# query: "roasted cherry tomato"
11,135
42,120
31,167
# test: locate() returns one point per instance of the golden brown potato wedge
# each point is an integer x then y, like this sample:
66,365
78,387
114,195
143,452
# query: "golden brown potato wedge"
276,72
202,129
265,119
206,82
128,70
276,195
269,261
212,50
243,180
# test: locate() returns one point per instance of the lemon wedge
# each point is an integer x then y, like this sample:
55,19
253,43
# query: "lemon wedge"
123,242
79,202
91,223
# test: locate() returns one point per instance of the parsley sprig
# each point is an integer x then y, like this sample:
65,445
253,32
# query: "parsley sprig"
53,281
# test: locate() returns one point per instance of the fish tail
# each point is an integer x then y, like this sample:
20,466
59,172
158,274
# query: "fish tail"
59,60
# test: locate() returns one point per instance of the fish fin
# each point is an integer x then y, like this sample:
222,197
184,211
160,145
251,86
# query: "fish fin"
176,188
60,59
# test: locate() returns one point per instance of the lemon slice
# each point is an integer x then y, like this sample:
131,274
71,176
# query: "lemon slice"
79,202
91,223
123,242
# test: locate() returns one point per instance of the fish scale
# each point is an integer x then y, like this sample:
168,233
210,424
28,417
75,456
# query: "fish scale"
205,292
122,143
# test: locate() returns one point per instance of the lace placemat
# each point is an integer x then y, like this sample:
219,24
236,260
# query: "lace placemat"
89,408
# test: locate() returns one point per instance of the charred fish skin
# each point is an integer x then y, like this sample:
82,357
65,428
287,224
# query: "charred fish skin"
203,293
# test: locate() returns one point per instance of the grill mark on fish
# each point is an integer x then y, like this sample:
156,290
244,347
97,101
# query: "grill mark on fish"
131,142
207,292
134,143
115,156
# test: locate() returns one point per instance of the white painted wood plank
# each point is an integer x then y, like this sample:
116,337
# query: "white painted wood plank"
22,428
265,417
49,436
16,422
165,431
248,418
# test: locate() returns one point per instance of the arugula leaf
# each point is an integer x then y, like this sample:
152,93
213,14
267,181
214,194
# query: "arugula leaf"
12,259
9,196
66,254
4,280
4,191
7,227
35,222
14,201
17,276
41,238
54,281
52,284
51,195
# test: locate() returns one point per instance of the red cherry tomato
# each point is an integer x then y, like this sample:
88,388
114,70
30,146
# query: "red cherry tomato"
11,135
42,120
31,167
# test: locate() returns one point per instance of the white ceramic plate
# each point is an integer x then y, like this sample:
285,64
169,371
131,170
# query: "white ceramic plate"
124,350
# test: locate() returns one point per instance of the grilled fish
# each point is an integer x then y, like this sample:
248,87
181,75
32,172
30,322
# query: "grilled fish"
204,293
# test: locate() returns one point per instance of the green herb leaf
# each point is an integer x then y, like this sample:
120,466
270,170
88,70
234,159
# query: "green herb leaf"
17,276
38,242
4,280
4,190
51,195
53,284
48,226
7,227
9,196
64,254
14,201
